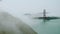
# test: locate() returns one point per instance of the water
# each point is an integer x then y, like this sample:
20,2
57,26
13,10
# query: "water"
49,27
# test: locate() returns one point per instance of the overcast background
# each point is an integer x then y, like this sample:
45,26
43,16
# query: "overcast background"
19,7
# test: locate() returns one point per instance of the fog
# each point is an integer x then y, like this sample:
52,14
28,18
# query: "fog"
18,8
12,25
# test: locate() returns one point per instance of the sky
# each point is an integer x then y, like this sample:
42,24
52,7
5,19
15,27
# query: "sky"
19,7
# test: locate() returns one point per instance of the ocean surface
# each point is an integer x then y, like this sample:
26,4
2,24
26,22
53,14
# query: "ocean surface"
48,27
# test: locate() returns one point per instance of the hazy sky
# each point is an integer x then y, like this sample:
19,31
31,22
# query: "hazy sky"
19,7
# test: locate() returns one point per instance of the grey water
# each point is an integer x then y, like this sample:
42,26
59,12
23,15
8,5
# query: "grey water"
49,27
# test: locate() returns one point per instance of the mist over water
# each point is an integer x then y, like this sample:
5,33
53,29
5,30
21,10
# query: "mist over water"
49,27
18,7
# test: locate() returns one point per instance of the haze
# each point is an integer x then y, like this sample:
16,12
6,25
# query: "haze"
19,7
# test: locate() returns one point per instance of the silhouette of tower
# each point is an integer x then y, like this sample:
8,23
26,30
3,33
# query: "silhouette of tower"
44,13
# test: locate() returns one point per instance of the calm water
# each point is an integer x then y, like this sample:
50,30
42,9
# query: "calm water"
50,27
